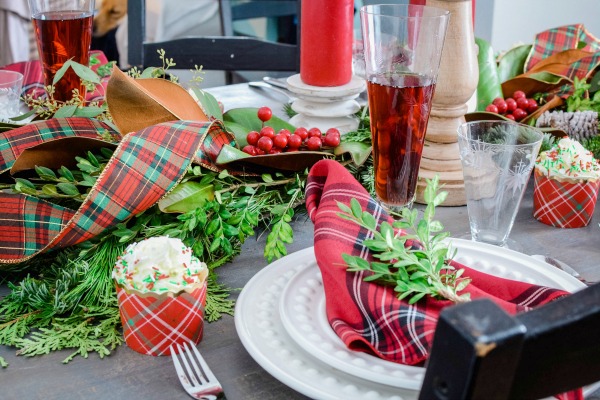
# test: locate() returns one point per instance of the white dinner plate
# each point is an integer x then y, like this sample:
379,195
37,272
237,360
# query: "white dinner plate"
302,312
278,344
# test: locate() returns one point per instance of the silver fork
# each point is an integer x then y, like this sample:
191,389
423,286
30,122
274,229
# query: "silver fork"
195,376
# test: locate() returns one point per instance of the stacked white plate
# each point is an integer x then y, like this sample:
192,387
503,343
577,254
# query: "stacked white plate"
280,319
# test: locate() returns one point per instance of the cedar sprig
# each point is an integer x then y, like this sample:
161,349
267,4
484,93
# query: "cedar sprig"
414,271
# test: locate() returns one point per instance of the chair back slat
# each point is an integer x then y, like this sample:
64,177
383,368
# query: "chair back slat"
480,352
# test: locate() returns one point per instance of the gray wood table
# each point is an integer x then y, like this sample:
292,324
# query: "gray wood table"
127,374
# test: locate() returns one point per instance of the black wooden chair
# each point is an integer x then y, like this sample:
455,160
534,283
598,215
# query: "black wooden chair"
480,352
224,53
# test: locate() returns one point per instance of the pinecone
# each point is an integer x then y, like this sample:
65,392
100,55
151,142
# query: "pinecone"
579,125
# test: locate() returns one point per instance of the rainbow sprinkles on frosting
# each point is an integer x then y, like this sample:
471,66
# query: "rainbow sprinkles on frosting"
568,159
159,265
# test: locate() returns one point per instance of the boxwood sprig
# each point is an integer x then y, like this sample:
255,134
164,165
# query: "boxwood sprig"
416,270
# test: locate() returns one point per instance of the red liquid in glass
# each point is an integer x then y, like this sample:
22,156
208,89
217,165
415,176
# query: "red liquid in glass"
399,106
63,35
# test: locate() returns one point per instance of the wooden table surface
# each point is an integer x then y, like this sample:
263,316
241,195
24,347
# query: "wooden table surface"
127,374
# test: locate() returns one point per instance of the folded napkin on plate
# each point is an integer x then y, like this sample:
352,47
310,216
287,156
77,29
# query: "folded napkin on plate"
369,317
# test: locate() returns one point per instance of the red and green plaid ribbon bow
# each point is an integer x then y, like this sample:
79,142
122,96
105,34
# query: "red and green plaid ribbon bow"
144,167
564,38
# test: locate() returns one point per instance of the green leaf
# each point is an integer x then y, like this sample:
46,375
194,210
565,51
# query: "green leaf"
208,103
21,118
66,173
68,189
25,183
489,86
45,172
85,73
239,132
359,151
213,225
513,62
186,196
61,72
88,112
248,118
49,190
267,178
65,111
229,153
416,298
150,72
356,208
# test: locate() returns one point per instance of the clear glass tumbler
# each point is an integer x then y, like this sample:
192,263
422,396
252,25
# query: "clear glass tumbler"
497,159
63,30
403,48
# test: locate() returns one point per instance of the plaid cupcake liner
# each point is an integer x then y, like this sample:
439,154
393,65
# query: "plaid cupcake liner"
153,322
564,204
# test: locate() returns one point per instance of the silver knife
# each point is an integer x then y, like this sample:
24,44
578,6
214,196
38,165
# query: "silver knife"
266,86
281,83
563,266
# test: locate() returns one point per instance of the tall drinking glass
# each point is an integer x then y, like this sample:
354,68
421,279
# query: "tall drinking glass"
63,30
403,47
497,158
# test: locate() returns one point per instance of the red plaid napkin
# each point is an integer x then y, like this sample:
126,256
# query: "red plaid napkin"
369,317
153,322
33,77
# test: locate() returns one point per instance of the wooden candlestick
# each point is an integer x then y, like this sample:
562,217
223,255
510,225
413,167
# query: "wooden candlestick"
456,83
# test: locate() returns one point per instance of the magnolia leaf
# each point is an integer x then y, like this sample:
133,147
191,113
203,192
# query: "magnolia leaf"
537,82
208,102
559,63
594,84
239,131
138,103
513,62
291,161
186,196
359,151
488,87
248,118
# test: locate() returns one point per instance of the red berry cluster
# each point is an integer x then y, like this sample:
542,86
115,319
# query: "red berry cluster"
267,142
516,107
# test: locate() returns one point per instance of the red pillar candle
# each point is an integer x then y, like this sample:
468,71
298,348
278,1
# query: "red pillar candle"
326,34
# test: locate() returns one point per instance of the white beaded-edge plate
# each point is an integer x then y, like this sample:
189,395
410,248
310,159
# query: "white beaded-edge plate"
296,363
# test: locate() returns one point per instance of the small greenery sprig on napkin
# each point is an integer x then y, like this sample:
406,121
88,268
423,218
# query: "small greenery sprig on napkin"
414,271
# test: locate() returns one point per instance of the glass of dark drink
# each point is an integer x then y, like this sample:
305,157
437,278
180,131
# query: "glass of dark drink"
63,30
403,47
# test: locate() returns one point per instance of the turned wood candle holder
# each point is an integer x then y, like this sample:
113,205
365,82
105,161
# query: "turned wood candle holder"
457,80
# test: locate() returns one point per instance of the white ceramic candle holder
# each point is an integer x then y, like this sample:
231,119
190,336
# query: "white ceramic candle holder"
326,107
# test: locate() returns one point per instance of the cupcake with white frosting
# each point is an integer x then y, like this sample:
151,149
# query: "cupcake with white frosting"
161,288
567,178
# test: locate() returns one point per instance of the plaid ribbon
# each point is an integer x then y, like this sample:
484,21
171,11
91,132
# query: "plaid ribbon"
564,204
33,77
369,317
145,166
152,323
564,38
